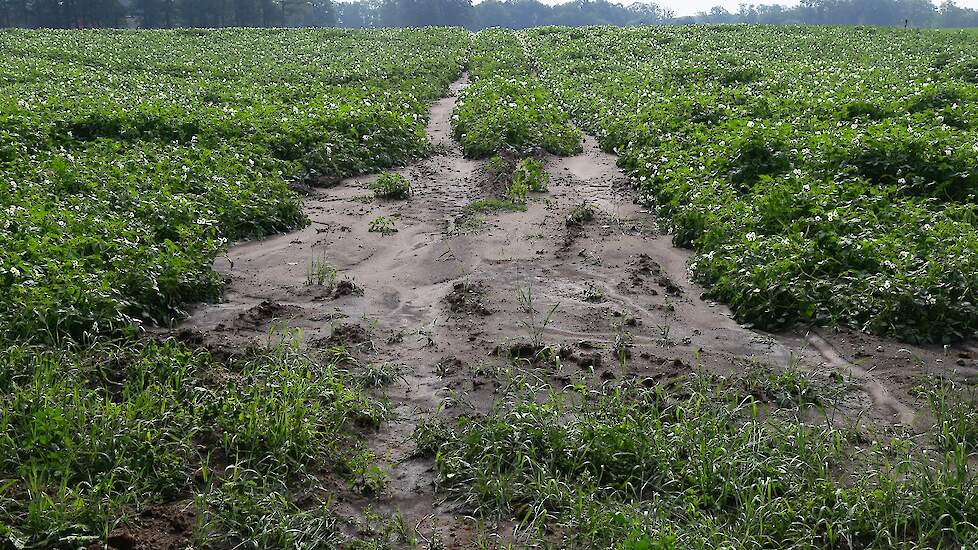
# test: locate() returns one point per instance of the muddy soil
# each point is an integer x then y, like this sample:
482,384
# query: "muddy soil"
440,300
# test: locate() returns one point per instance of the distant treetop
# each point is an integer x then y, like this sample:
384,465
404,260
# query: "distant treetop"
516,14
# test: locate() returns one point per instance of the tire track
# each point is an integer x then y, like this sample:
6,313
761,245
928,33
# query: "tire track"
881,397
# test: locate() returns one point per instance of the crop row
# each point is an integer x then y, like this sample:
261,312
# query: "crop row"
128,160
506,106
822,174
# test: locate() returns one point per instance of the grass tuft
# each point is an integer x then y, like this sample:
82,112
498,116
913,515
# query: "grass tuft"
700,467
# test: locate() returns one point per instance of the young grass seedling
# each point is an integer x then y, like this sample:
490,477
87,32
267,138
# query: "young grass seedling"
319,272
534,325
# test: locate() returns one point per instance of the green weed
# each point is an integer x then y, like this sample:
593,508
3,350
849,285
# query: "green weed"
391,185
517,192
955,416
535,324
530,173
385,225
580,214
88,436
639,468
321,273
248,509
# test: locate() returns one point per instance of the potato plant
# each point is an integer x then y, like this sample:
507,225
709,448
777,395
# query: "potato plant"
530,172
507,106
391,185
128,160
824,175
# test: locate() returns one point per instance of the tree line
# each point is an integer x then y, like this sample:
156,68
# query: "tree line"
887,13
154,14
516,14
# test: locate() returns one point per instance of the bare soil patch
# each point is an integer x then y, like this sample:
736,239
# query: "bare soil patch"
448,307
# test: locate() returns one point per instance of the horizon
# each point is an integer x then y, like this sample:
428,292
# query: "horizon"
693,7
682,8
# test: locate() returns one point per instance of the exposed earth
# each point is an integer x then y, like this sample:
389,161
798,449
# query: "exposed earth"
452,296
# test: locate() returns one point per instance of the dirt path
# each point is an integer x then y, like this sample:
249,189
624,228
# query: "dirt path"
440,299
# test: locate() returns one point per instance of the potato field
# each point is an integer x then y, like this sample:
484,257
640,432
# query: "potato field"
642,288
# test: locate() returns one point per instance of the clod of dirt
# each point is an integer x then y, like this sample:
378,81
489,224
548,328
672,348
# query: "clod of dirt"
524,350
196,339
300,187
189,336
671,288
166,527
121,540
347,335
589,257
322,182
258,315
448,366
646,264
590,361
644,267
468,298
346,287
